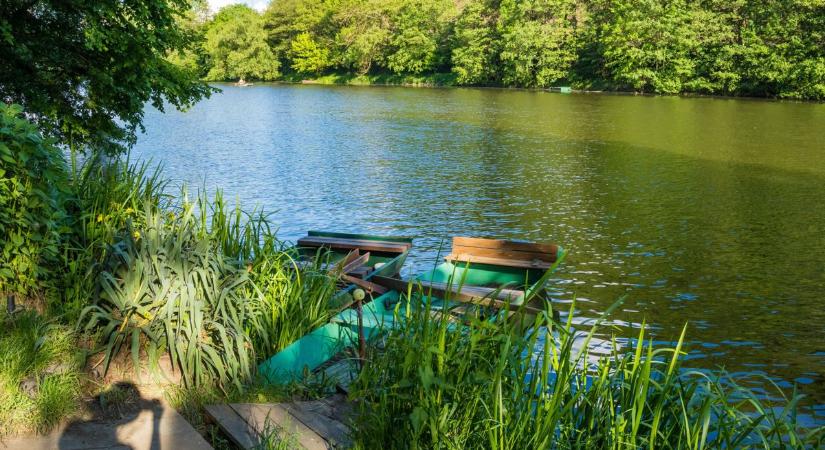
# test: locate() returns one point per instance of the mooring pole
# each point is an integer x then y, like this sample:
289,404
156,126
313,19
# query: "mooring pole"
359,295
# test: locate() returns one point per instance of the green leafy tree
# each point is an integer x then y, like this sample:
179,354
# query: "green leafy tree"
193,59
237,46
647,46
476,45
420,36
307,56
364,33
285,20
538,41
84,70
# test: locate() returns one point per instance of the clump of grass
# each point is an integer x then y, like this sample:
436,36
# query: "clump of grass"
435,385
209,285
39,374
106,197
275,437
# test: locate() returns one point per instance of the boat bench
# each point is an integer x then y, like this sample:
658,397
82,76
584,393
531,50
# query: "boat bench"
352,244
500,252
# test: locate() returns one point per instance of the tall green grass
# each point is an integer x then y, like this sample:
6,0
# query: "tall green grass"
434,385
106,196
39,373
208,284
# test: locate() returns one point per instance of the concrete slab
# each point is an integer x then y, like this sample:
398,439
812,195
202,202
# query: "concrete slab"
156,426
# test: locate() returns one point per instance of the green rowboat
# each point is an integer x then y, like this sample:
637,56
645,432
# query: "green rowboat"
486,276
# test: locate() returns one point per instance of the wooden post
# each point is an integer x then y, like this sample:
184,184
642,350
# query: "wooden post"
10,304
359,295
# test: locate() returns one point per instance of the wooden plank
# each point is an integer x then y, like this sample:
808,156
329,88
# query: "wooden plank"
351,256
455,294
266,418
356,263
238,430
366,285
334,432
526,264
502,244
377,246
477,291
342,372
341,409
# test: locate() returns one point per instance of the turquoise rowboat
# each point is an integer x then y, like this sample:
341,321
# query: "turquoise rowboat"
354,258
480,276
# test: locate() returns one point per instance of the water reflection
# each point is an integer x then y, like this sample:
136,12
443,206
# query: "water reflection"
705,211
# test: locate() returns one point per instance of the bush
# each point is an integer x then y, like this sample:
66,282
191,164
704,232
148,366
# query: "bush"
32,213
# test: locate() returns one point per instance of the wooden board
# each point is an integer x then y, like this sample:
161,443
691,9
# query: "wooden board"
468,294
525,264
366,245
342,372
504,253
314,425
236,428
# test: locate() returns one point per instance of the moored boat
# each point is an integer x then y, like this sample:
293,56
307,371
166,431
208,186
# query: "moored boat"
484,277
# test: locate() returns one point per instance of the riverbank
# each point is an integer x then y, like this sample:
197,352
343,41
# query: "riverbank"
448,80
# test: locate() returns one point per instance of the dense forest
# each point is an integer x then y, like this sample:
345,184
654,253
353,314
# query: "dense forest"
729,47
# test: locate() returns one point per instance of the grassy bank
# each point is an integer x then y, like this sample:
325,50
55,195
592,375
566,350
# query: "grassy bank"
384,79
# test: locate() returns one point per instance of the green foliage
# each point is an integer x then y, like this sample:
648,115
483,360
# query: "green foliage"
237,48
85,70
435,385
39,374
32,213
419,38
307,56
208,285
648,47
729,47
169,287
476,49
363,33
538,46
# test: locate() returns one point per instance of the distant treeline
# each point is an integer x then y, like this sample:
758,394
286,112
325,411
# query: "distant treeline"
765,48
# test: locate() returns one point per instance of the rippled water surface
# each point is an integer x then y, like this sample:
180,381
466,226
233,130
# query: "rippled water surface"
709,212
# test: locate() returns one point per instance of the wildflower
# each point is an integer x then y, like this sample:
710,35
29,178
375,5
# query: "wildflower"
136,235
100,217
129,211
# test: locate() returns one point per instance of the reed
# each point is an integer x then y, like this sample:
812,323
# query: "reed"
485,385
209,285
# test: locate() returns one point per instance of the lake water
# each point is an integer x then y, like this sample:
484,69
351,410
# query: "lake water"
709,212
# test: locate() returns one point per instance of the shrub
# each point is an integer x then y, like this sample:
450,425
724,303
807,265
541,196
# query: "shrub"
32,214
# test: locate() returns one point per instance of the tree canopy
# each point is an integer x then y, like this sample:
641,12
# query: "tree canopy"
84,70
729,47
236,46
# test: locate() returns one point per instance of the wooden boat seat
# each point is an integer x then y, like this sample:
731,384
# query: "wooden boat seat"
496,298
351,244
501,252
